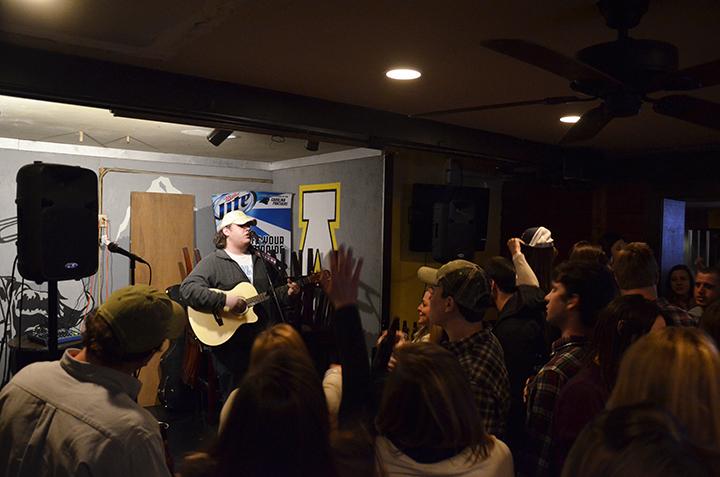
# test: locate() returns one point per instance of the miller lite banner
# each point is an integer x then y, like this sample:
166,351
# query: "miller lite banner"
273,212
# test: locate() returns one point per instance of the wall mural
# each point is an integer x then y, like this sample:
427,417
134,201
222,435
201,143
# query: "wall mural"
161,185
74,296
32,299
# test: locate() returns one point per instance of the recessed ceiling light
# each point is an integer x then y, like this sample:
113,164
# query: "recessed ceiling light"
403,74
570,119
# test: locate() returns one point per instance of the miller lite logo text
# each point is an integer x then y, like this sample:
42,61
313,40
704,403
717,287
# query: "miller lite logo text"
234,201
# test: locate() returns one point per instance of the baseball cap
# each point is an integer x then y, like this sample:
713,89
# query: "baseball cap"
141,317
538,237
465,281
236,217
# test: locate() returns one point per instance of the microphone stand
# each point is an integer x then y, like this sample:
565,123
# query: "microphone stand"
115,248
272,285
274,294
132,271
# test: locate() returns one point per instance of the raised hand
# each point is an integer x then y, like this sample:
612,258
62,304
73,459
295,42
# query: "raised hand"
341,286
514,246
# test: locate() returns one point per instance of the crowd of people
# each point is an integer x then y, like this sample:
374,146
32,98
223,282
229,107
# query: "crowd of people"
588,370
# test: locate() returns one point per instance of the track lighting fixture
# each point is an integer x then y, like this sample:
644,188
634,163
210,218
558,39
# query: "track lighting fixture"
217,136
312,145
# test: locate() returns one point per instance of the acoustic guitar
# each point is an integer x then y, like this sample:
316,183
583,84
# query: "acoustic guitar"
214,329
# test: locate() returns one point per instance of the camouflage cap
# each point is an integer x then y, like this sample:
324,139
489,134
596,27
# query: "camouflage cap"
465,281
141,317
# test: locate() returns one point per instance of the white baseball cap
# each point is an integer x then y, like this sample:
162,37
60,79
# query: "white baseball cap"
236,217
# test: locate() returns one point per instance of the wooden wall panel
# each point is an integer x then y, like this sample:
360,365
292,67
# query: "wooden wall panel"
565,209
160,226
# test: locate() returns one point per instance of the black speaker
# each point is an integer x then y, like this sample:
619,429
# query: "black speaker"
425,196
453,230
57,209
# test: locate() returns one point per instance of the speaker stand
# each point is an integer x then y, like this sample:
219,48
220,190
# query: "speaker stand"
52,317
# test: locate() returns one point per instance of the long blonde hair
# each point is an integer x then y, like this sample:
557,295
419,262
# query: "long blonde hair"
679,369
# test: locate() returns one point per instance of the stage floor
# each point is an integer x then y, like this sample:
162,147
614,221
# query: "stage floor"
189,431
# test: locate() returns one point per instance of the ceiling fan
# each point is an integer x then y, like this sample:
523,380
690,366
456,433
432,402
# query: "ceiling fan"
621,73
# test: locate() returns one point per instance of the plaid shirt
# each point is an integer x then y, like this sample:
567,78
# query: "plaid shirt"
676,314
566,360
481,357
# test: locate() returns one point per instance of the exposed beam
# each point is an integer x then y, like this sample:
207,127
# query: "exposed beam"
152,94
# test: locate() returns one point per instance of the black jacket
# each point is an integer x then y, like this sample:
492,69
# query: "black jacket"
520,330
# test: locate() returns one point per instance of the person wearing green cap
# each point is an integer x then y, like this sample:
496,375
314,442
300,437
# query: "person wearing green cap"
79,415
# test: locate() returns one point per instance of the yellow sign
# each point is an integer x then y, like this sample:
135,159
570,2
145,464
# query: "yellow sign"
319,216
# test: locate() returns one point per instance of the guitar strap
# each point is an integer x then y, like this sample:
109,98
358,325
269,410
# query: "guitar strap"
218,319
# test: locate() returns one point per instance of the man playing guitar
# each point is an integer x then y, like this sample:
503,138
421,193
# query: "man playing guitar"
229,265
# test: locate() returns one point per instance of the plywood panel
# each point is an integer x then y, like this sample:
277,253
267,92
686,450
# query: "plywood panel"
160,226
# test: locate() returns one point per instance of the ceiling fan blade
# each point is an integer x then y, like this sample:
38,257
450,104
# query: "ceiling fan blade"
588,126
707,74
694,77
546,59
550,100
693,110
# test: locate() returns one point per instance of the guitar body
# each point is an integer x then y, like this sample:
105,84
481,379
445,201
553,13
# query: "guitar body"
206,327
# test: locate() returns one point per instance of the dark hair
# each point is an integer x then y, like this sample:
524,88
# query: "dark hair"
470,315
607,240
541,261
481,288
672,297
101,343
620,324
354,451
591,282
636,267
641,439
714,270
710,321
502,272
220,239
584,250
428,404
278,423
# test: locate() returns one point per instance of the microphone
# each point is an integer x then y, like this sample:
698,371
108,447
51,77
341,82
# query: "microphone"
115,248
275,262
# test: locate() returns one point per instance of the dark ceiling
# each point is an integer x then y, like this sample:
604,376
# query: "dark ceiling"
339,51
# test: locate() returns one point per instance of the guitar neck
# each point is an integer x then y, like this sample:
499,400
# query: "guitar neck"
259,298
